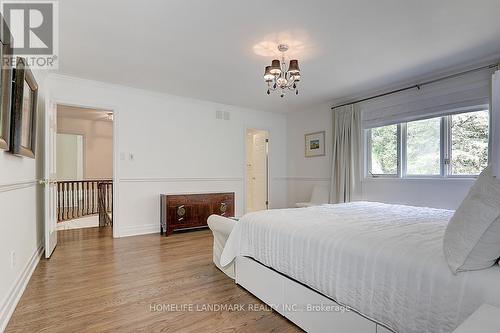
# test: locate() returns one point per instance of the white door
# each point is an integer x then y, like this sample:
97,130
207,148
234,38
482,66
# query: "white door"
50,183
250,177
257,170
260,171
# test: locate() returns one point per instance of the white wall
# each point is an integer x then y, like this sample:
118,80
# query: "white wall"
98,144
169,144
21,228
70,156
303,172
437,193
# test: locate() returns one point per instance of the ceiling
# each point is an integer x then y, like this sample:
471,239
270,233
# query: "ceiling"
216,50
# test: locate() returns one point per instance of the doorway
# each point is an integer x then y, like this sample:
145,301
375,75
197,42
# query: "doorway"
84,168
257,170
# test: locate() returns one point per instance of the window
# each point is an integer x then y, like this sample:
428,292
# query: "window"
469,143
384,150
423,147
449,146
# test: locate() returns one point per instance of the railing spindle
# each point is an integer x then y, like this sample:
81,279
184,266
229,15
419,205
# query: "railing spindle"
59,197
66,197
72,201
80,198
105,197
79,184
87,197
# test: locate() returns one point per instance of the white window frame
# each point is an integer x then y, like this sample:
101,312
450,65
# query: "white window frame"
445,152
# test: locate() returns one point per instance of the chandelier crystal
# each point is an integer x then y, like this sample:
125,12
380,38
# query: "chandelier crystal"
280,80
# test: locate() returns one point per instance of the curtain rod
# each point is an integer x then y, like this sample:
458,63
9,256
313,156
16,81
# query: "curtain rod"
419,85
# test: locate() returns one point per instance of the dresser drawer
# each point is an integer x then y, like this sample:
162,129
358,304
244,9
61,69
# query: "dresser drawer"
188,213
185,211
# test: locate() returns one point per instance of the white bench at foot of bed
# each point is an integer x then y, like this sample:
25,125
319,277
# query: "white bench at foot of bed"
303,306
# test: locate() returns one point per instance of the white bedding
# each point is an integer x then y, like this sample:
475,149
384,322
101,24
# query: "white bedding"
385,261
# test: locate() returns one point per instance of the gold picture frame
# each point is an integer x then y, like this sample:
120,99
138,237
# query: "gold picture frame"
24,107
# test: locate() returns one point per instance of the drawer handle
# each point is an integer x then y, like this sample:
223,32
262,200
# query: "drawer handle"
181,211
223,208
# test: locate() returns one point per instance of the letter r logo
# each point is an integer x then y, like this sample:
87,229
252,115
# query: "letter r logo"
31,25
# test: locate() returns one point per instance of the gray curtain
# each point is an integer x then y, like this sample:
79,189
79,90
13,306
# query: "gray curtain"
346,168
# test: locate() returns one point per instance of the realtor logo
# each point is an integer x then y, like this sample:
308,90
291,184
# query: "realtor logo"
34,28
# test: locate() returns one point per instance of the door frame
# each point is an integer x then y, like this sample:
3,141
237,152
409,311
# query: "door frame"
116,150
245,151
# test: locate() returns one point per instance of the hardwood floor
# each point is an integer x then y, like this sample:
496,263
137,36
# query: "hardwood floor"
94,283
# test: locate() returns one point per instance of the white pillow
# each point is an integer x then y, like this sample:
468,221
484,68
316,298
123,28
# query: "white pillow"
472,238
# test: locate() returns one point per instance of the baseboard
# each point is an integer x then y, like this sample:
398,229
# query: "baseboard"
15,295
139,230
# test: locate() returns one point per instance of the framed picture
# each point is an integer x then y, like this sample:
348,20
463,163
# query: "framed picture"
24,104
315,144
5,84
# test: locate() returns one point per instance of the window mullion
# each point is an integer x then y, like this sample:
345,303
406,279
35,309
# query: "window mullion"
402,158
449,141
447,145
368,152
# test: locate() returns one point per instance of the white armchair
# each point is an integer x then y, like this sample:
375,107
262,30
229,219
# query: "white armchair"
320,195
221,229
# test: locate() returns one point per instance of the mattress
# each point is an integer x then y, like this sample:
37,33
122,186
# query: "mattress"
384,261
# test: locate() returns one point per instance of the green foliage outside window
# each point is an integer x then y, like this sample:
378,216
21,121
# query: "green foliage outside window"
423,147
468,146
385,150
469,142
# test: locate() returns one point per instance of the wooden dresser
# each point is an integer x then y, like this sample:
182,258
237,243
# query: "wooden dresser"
190,211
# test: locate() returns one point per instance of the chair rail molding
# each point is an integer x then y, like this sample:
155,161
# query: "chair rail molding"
5,187
306,179
180,179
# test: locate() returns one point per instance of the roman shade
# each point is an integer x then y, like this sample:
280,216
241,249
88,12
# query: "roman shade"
463,93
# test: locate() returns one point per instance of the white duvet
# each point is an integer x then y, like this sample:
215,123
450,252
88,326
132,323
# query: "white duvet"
384,261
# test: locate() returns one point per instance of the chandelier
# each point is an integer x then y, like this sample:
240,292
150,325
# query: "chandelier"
280,80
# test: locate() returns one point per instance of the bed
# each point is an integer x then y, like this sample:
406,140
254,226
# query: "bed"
384,262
